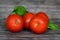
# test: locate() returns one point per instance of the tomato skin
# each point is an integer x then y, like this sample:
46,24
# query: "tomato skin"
38,24
43,14
27,17
14,23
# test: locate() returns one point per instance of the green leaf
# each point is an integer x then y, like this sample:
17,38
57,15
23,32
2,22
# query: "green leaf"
20,10
52,26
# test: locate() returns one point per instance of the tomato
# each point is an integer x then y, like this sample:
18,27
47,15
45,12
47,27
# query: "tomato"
14,23
38,24
27,17
43,14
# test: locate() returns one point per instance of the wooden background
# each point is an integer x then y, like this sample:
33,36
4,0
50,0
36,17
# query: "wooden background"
51,7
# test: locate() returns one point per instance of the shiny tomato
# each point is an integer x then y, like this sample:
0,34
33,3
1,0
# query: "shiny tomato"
27,17
43,14
14,23
38,24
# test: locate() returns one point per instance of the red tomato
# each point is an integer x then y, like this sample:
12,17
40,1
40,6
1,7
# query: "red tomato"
27,17
38,24
43,15
14,23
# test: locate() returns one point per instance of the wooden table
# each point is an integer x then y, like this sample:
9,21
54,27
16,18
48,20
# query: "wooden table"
51,7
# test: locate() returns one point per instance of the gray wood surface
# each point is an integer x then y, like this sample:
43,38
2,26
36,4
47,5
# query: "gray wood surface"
51,7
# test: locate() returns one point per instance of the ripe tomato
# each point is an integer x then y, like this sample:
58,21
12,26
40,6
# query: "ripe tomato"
43,15
38,24
14,23
27,17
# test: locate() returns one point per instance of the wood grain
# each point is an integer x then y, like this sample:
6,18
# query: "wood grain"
51,7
